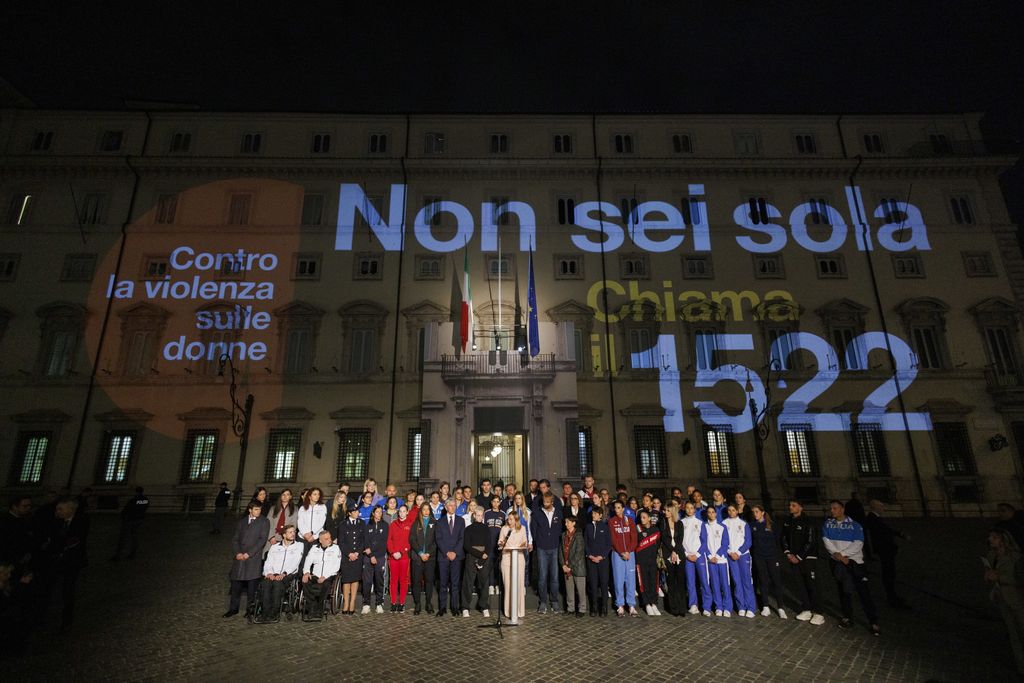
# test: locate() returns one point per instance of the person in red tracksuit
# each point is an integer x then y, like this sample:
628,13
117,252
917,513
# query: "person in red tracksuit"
398,557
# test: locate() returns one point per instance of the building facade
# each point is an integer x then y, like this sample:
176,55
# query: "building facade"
850,284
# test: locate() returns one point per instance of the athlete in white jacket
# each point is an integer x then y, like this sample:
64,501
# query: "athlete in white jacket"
280,569
739,562
694,559
715,541
323,561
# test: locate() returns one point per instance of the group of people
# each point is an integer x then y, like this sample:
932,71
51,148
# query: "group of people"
576,549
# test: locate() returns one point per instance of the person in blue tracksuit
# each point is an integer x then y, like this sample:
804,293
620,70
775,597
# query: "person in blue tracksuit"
696,565
597,542
715,541
366,508
740,540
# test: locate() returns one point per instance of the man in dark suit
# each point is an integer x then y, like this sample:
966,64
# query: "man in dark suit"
251,535
532,495
546,529
450,534
883,543
422,557
66,547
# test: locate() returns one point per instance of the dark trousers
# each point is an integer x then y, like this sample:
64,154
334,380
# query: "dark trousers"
647,569
218,518
422,574
272,595
888,562
247,585
373,577
597,582
449,574
853,578
316,592
128,540
547,576
768,574
675,599
805,593
479,579
68,582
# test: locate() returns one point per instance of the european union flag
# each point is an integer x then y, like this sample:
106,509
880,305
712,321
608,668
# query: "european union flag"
531,315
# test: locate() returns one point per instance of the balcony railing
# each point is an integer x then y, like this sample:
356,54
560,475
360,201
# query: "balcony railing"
1006,383
498,364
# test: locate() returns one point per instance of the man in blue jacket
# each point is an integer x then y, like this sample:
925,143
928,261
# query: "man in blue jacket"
546,529
449,534
597,542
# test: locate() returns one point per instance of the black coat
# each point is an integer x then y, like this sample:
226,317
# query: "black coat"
351,537
66,545
418,543
376,535
249,538
883,537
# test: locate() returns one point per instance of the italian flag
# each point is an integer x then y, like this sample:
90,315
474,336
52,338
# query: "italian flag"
461,308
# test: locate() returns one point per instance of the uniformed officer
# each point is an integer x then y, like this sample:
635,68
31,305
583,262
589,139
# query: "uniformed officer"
132,514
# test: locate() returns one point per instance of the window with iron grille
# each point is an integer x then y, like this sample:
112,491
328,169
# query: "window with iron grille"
651,458
801,456
721,451
417,451
200,451
118,450
30,457
353,453
579,448
954,448
869,447
282,454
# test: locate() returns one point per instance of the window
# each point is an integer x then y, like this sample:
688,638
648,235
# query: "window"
141,351
282,455
961,210
118,450
800,452
623,143
312,209
110,140
698,267
417,452
307,267
768,266
940,144
633,266
747,144
252,143
361,353
926,346
367,267
682,143
298,357
30,457
568,267
42,141
579,448
869,448
9,267
641,348
562,143
239,206
499,143
61,330
78,268
498,267
200,451
353,454
830,267
378,143
566,211
873,143
758,210
321,143
651,460
781,348
805,143
181,141
691,210
155,267
433,214
429,267
978,264
1001,350
820,213
721,451
705,345
893,214
21,209
435,143
166,208
505,217
953,446
91,211
842,337
907,265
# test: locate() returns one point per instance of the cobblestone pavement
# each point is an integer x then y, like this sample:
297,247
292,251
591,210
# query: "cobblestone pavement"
159,618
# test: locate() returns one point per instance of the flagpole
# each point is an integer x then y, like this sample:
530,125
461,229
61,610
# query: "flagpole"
498,230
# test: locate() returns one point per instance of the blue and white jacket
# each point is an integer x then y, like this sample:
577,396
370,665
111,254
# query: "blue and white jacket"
714,540
739,535
692,536
846,537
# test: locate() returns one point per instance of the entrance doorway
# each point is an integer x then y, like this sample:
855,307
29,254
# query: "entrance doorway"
500,456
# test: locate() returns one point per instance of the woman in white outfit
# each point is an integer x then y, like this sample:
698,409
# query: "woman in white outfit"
512,543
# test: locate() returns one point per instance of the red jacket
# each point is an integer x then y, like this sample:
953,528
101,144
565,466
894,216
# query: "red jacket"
398,535
623,533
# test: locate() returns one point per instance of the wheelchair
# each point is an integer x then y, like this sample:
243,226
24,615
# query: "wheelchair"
332,601
289,603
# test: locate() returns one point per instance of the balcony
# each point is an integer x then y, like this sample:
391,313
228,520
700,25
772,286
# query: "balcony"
498,365
1006,386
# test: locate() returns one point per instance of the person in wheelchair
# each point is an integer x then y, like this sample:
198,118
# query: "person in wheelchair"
280,570
318,574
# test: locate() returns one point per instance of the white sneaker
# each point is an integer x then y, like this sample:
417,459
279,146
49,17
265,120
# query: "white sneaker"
657,612
380,609
492,590
694,610
766,611
804,616
750,614
661,593
465,613
782,614
726,614
818,619
365,610
706,613
742,613
647,609
487,614
718,612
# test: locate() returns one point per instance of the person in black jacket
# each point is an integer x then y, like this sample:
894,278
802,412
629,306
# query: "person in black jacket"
66,551
376,557
672,551
351,538
597,542
800,544
765,554
494,519
423,548
479,557
648,540
546,530
220,507
132,514
883,542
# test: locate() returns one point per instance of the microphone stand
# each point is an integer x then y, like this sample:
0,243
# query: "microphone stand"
513,598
